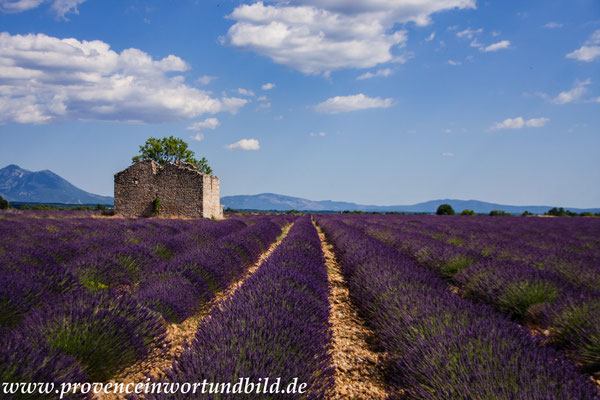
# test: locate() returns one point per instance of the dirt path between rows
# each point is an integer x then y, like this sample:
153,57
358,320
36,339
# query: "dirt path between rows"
180,335
358,374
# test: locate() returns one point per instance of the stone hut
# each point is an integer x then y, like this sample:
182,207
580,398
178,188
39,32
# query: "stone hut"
182,190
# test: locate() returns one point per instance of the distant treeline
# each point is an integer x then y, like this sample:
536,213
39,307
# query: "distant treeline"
56,206
446,209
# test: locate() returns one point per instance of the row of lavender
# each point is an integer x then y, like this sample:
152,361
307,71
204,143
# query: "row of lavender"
441,346
275,325
560,295
58,324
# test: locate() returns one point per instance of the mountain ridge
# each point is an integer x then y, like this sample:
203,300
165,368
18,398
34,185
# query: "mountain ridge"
20,185
272,201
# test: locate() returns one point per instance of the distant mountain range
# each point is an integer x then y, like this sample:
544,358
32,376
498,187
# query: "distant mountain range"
271,201
20,185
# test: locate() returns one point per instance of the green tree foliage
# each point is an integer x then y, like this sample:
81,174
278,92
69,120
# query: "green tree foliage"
155,206
4,204
499,213
561,212
467,212
445,209
170,149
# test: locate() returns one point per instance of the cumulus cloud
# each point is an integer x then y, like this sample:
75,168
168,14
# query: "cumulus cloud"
519,123
342,104
504,44
384,73
430,37
17,6
268,86
469,33
209,123
244,144
245,92
448,154
320,36
44,79
572,95
589,51
206,79
60,7
198,136
315,134
585,53
455,63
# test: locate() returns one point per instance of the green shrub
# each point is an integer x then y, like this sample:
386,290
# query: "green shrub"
517,297
467,212
156,206
4,204
445,209
499,213
455,265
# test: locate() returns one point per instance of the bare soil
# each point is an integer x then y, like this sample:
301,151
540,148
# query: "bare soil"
358,373
179,336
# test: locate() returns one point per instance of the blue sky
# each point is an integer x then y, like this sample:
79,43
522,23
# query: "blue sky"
376,102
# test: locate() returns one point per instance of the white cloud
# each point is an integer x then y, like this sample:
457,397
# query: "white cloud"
475,43
233,104
455,63
48,79
519,123
320,36
314,134
244,144
430,37
585,53
268,86
262,98
447,131
341,104
209,123
198,136
589,51
379,73
206,79
264,106
469,33
553,25
572,95
17,6
505,44
448,154
245,92
60,7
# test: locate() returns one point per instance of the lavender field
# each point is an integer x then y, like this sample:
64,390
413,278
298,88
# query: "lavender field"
457,307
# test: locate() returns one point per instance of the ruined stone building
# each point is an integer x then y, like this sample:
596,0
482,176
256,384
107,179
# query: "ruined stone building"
181,190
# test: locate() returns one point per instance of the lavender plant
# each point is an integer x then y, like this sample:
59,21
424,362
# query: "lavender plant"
276,325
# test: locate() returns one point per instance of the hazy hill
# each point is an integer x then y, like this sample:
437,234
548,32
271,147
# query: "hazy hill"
271,201
21,185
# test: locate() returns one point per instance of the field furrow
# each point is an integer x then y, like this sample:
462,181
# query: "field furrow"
438,345
358,373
